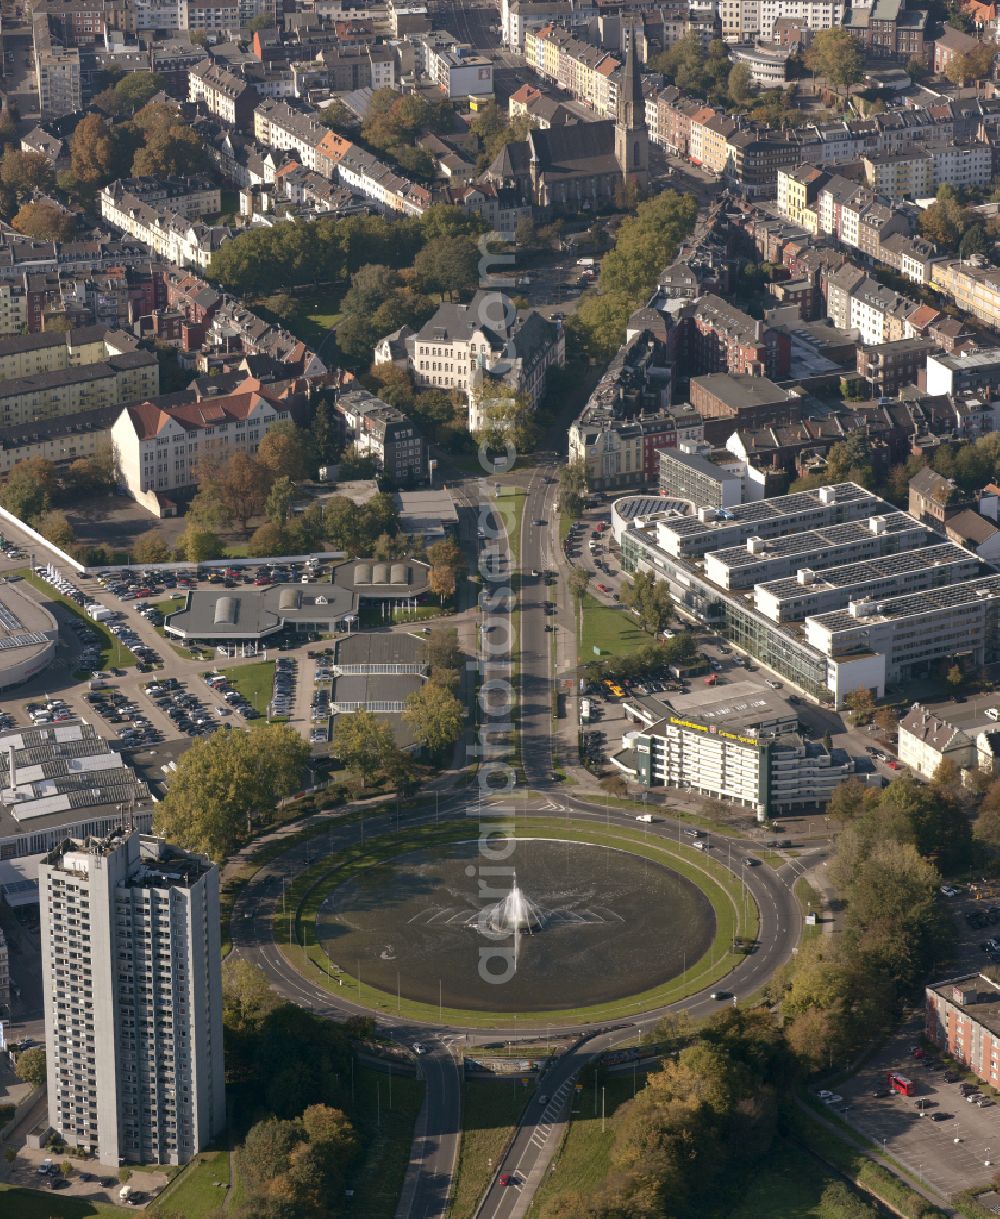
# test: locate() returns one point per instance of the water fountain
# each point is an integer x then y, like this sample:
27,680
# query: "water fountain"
514,912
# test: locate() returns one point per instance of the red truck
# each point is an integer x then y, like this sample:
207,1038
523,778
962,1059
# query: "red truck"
900,1083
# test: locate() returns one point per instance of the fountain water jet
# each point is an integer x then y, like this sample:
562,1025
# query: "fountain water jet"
514,913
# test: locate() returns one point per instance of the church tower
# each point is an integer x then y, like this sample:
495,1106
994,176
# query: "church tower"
631,136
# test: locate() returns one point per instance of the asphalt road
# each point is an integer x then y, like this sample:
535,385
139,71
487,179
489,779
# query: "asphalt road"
436,1147
535,645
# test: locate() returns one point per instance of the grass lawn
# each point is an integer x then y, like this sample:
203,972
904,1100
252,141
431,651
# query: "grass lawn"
490,1111
196,1191
254,681
584,1160
614,631
113,653
41,1204
509,505
811,903
386,1128
789,1183
171,605
312,321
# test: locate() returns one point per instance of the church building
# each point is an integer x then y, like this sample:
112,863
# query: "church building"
581,166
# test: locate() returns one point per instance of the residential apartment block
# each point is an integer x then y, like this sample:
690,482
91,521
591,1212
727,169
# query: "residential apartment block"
158,449
963,1020
746,20
376,429
131,971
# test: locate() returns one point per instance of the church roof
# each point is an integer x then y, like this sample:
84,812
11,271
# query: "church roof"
581,148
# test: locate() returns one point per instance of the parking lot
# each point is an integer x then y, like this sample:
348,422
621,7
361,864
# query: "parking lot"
936,1132
93,1182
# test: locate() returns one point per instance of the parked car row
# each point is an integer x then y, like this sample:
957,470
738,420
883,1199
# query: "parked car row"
234,700
186,710
283,693
117,708
11,550
55,711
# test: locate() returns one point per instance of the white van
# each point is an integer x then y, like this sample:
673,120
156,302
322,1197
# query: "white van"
993,713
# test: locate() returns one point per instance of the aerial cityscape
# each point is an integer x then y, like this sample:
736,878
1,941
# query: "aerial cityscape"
499,609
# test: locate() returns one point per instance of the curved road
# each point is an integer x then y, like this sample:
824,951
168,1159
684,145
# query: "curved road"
436,1143
430,1174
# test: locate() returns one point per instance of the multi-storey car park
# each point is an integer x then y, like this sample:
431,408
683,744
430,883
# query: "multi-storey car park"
879,612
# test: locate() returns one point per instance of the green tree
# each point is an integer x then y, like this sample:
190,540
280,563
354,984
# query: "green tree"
444,655
167,146
838,1201
835,55
651,599
337,116
271,538
739,84
945,221
150,548
364,743
447,265
861,704
247,997
226,783
55,526
436,717
94,151
284,451
25,172
573,487
197,544
954,677
506,416
30,1067
579,582
242,484
279,500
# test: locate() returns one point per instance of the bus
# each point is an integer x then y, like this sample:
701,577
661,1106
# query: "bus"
900,1083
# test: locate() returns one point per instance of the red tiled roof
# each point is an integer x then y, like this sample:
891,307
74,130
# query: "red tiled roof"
149,420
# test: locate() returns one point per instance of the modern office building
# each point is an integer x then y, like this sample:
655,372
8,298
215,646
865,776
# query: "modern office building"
740,746
695,477
61,781
131,970
879,613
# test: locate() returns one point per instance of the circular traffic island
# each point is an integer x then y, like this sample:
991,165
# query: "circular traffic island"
564,923
559,924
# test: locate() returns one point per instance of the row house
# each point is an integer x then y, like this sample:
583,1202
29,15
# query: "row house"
166,231
918,172
228,96
392,192
586,72
277,125
974,289
722,338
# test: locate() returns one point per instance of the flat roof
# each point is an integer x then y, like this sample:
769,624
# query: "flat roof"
630,507
985,1010
871,570
375,687
702,465
742,703
913,604
847,534
377,579
251,613
781,506
380,647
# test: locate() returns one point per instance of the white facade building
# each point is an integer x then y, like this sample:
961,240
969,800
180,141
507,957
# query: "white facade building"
158,451
744,20
132,977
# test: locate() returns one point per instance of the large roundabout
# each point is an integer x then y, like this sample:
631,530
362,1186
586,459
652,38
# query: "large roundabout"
561,921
